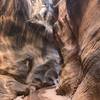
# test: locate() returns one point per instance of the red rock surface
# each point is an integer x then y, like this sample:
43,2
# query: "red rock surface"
45,94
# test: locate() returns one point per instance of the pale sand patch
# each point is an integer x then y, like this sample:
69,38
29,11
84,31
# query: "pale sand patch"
46,94
50,94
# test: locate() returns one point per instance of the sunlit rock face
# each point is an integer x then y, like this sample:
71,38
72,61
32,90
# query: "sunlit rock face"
28,53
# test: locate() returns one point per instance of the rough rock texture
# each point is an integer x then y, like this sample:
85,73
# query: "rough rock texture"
29,58
81,50
44,94
39,36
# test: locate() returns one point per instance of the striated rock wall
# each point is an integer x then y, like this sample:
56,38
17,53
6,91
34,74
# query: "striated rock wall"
29,57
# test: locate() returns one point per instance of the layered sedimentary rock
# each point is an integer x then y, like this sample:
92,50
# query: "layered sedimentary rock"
39,36
80,76
29,58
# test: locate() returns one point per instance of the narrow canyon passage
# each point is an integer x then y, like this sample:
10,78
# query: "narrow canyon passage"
49,50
